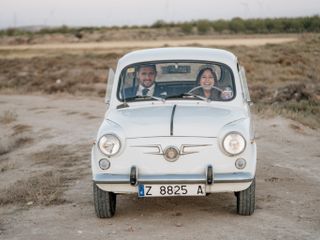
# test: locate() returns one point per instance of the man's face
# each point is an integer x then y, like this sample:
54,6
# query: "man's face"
146,76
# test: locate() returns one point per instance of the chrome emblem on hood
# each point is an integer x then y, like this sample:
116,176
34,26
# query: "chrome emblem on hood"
172,153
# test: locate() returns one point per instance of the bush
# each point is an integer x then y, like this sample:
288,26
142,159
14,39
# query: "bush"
203,26
63,29
237,25
159,24
220,25
255,26
186,27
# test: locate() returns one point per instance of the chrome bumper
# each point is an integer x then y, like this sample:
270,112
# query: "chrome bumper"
239,177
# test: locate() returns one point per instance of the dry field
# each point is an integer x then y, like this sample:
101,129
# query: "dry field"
51,106
284,78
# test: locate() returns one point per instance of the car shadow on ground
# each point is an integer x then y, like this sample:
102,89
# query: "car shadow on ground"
219,203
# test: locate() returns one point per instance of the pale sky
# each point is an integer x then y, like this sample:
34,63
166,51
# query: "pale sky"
14,13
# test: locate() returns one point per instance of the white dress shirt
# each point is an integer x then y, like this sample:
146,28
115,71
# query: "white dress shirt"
149,93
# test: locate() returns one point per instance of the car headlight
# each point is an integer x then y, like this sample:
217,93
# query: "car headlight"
109,144
234,143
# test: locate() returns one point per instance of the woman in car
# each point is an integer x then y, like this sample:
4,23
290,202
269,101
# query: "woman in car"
207,80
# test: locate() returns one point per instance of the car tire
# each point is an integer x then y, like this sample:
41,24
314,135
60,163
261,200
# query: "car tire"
246,200
104,202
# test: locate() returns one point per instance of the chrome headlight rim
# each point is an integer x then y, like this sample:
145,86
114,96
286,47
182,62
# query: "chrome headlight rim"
233,154
104,161
101,149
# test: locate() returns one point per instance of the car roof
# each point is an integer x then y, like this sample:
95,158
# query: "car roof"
178,53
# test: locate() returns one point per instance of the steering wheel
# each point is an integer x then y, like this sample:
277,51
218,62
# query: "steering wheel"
197,87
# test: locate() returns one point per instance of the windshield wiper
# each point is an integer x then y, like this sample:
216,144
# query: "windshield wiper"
182,95
144,98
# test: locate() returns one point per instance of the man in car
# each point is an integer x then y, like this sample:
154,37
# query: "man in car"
146,75
147,86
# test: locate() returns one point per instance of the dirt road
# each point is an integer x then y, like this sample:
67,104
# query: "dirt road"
9,51
288,184
152,44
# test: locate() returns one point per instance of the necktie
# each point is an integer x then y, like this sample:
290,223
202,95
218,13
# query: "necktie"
145,91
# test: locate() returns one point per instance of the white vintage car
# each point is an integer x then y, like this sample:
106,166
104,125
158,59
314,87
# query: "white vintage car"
178,123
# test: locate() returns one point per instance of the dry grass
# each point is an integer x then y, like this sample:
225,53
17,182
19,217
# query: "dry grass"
71,113
8,144
284,79
305,112
8,117
88,115
20,128
2,228
47,188
15,137
270,70
297,128
44,189
6,166
100,35
73,74
62,156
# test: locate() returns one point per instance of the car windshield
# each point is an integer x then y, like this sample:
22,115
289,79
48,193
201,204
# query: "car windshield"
176,80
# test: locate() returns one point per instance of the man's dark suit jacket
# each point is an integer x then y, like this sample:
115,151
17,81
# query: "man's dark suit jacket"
132,92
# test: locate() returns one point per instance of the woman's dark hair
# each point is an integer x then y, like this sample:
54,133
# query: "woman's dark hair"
202,71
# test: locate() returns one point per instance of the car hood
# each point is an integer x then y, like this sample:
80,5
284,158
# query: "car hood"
178,120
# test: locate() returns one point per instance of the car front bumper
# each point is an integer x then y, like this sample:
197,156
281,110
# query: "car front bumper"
215,182
239,177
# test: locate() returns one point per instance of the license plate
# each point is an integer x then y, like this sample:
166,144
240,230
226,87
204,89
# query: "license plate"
168,190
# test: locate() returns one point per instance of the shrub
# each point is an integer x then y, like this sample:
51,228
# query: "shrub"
220,25
187,27
44,189
159,24
237,25
203,26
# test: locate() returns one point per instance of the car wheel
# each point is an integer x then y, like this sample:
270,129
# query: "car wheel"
246,200
104,202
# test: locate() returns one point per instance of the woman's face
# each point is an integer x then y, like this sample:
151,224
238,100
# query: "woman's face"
206,80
